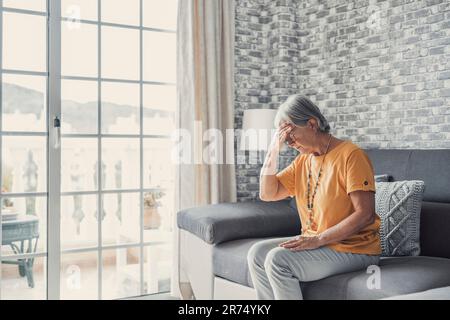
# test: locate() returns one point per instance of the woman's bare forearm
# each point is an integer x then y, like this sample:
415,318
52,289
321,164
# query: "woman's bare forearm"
269,187
364,214
346,228
268,182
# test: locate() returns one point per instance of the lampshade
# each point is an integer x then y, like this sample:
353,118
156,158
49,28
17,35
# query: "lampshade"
257,129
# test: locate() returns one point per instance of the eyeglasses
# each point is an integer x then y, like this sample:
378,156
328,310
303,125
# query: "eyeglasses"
290,139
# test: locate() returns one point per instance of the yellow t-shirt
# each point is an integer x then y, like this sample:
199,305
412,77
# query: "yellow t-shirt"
346,168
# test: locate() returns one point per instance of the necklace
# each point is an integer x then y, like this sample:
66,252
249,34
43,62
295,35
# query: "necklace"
310,203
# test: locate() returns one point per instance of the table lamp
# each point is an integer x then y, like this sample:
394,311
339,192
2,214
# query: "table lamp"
257,130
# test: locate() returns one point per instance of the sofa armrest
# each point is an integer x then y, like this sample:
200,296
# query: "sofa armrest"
239,220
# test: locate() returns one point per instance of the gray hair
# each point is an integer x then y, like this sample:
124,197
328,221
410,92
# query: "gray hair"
298,109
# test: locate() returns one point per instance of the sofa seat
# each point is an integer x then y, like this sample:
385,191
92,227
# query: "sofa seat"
399,275
432,294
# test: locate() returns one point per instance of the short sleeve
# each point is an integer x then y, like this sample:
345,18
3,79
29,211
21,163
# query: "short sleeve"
359,172
287,178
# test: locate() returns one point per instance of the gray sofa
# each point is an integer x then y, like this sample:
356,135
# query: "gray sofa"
226,232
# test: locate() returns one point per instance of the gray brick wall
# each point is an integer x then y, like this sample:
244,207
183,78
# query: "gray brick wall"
378,70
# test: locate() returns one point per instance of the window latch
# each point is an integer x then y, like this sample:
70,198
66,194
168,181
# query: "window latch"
56,132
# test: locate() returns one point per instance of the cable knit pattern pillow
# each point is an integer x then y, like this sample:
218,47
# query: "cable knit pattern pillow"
399,204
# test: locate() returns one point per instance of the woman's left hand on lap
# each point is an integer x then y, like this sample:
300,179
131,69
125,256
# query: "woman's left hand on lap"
302,243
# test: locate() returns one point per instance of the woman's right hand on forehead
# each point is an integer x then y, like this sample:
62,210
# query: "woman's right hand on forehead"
283,132
285,123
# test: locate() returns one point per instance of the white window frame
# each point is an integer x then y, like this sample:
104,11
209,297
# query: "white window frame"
53,194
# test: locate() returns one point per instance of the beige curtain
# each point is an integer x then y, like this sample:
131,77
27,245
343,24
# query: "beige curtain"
205,91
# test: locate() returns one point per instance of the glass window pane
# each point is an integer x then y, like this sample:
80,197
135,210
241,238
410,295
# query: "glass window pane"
79,167
120,158
121,218
158,122
121,273
120,53
160,56
79,276
157,268
120,108
24,42
160,14
159,106
35,5
24,225
79,106
160,97
79,9
31,286
116,11
24,103
24,164
158,165
79,228
79,50
158,215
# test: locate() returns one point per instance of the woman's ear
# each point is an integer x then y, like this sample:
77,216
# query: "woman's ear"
312,123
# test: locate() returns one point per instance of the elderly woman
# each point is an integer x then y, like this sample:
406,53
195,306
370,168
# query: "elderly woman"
333,183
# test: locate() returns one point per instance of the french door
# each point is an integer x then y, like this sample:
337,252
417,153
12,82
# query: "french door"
87,109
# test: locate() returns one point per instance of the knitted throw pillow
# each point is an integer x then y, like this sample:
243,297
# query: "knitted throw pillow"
399,204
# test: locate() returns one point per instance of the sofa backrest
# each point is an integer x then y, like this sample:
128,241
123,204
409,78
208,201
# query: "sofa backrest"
433,167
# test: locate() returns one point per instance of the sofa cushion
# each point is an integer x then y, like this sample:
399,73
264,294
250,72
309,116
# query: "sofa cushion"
435,229
433,294
399,204
229,221
399,275
431,166
230,260
381,177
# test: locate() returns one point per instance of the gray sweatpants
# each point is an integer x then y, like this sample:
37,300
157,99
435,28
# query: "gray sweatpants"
276,271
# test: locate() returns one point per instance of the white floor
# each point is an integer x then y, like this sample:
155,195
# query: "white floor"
158,296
